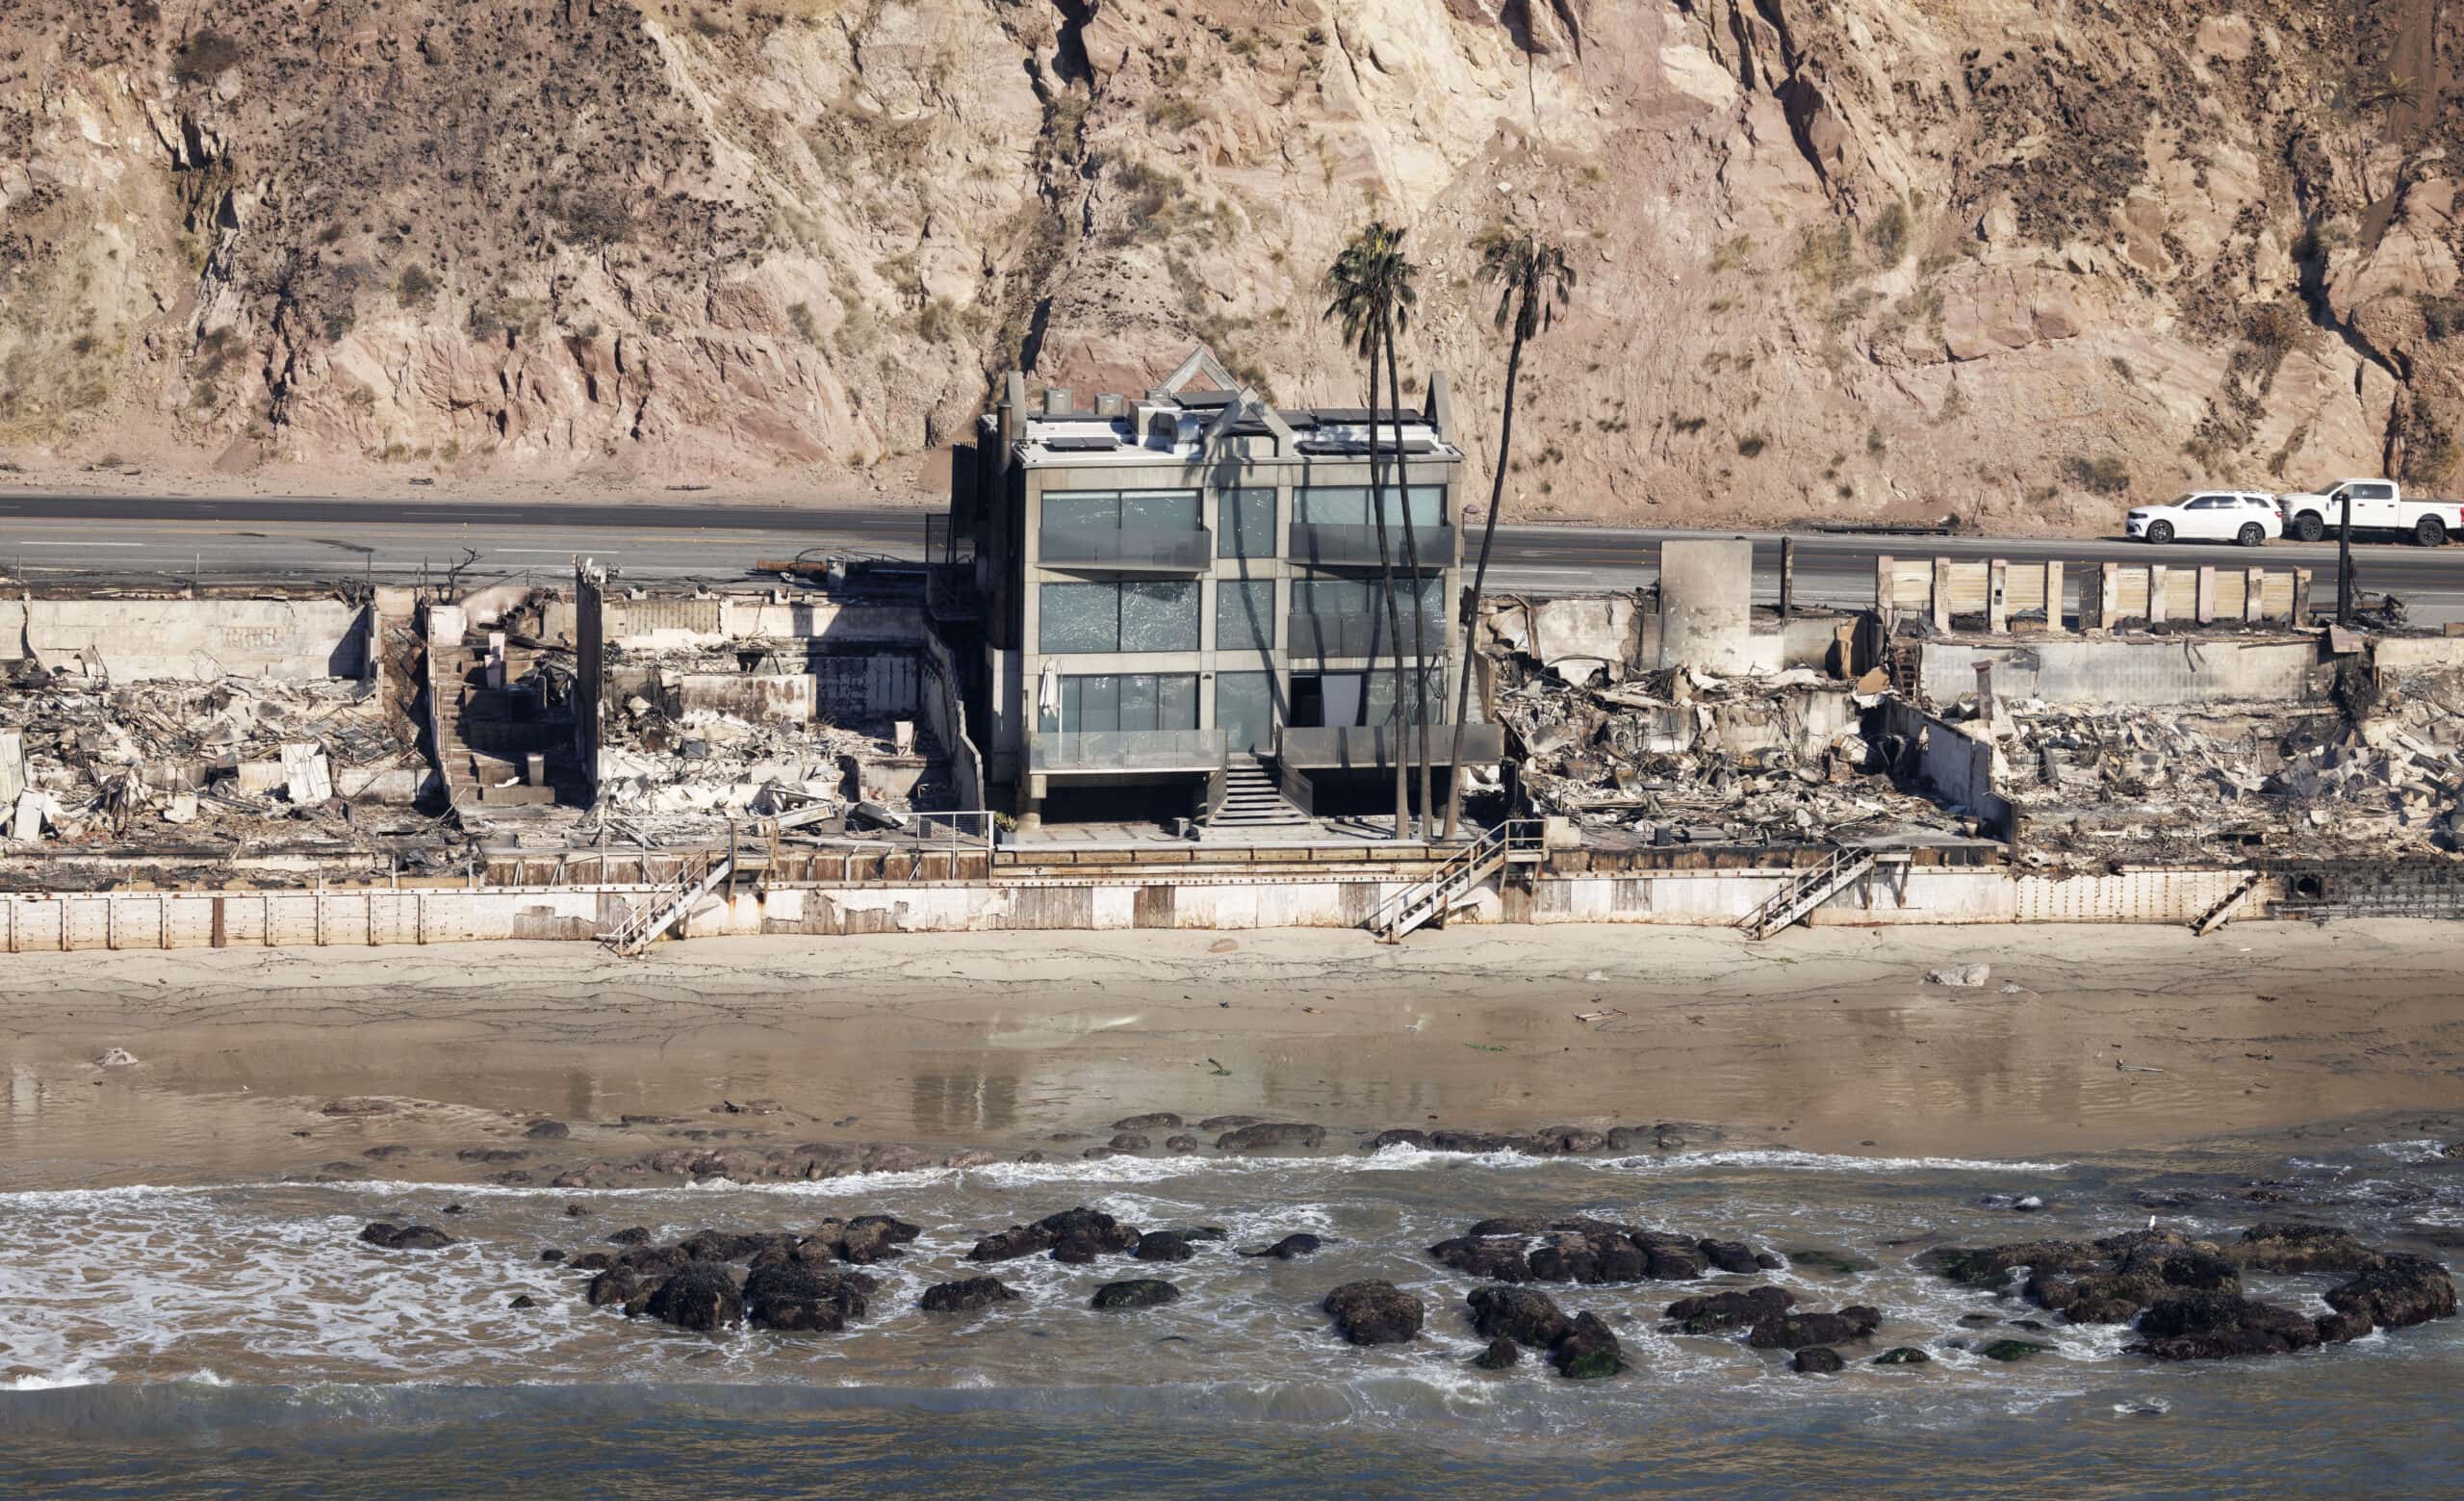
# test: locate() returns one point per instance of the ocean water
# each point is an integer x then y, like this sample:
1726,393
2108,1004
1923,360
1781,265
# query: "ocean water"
239,1341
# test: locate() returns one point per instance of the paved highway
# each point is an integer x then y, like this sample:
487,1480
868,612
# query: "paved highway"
59,537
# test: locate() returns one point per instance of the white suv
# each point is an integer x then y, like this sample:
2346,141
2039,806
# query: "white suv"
2243,516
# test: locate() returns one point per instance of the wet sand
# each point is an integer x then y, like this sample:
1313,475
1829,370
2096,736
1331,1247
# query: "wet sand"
2083,1039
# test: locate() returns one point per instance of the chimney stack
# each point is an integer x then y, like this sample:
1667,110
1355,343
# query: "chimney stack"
1111,406
1056,401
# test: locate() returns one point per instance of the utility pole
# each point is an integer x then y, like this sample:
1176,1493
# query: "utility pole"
2344,563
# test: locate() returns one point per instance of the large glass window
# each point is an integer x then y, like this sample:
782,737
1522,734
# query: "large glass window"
1160,616
1103,701
1248,524
1160,510
1245,709
1245,615
1346,617
1348,506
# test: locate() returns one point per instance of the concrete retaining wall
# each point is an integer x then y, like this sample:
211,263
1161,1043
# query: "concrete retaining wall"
361,918
193,640
2157,673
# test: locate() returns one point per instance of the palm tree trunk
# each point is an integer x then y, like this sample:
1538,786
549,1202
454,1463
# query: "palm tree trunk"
1411,565
1394,618
1480,579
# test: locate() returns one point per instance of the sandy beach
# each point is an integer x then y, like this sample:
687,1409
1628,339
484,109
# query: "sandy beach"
1831,1041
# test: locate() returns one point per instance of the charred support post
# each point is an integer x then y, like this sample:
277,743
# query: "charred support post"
1985,695
2108,597
2254,596
2301,595
2054,603
2343,562
2159,577
2204,601
1942,594
1997,596
1787,577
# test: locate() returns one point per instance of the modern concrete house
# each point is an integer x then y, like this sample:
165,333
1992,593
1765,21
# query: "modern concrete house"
1179,606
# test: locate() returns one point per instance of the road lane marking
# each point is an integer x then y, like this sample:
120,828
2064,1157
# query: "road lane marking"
79,544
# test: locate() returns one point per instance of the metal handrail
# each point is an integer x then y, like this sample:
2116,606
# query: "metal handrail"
1496,845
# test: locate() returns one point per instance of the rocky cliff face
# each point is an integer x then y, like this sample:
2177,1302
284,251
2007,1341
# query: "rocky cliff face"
1858,258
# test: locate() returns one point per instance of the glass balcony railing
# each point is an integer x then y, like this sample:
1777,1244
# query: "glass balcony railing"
1355,636
1342,747
1125,750
1353,547
1157,552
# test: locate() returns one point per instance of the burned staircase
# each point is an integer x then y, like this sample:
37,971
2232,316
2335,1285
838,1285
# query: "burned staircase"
1806,890
485,734
1515,841
1252,800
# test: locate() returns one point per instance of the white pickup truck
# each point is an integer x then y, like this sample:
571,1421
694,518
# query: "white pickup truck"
2378,508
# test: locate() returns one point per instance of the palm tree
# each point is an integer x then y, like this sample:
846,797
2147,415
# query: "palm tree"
1360,288
1395,315
1534,279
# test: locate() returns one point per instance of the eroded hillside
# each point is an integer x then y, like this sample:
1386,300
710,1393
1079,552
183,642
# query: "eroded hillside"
1860,258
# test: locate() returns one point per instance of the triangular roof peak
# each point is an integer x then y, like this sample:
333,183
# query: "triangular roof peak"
1200,361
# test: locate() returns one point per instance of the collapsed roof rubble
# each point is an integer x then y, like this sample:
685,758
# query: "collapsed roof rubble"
85,761
1677,756
2099,786
701,742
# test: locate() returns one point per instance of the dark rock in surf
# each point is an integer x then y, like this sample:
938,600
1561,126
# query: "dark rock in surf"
1837,1263
1589,1257
1229,1123
1474,1142
2401,1291
551,1254
1101,1232
702,1296
1525,1315
1496,1259
590,1261
617,1284
791,1296
1402,1138
1196,1234
1152,1120
1272,1136
1162,1246
873,1237
524,1300
1375,1313
1816,1360
1714,1313
2342,1327
2273,1246
972,1295
1501,1354
2010,1352
1992,1266
632,1235
1796,1331
405,1237
1564,1141
1130,1141
1286,1249
1180,1143
1730,1256
1587,1351
547,1130
1904,1355
2213,1326
1145,1292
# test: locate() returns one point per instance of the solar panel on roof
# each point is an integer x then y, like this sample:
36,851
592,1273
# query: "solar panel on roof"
1081,445
1210,398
